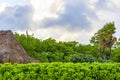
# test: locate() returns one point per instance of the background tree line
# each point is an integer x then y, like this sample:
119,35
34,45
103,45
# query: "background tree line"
103,47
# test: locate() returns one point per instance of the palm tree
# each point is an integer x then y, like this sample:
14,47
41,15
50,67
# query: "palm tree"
104,38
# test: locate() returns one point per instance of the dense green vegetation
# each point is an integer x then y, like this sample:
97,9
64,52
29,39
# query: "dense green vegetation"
50,50
60,71
69,60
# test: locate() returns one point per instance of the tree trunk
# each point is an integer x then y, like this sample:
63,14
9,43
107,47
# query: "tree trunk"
104,56
110,54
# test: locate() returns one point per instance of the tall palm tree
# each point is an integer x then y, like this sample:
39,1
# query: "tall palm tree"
104,38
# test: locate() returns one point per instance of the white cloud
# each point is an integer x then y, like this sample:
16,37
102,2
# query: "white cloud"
3,6
113,4
46,8
13,2
60,34
63,16
17,17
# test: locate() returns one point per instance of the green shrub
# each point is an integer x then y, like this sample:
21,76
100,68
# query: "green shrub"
76,58
60,71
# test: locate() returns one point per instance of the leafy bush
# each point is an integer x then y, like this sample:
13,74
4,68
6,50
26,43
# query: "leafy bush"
75,58
82,58
60,71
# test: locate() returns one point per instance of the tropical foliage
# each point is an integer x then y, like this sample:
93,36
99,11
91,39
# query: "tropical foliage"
49,50
60,71
102,47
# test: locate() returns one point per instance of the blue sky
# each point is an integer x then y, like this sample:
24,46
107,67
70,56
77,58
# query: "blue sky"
64,20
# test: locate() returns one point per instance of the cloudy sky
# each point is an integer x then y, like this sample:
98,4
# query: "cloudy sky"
63,20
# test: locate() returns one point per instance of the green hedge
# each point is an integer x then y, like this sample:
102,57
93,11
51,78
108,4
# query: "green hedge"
60,71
